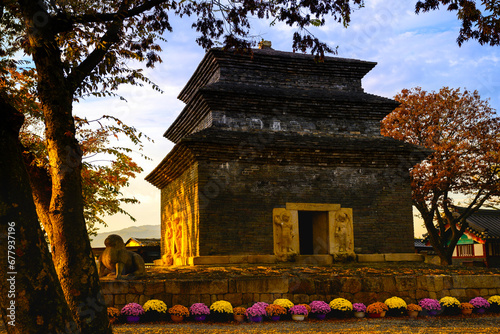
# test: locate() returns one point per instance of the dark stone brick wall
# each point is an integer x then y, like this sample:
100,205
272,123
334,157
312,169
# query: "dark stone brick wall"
236,217
284,122
260,131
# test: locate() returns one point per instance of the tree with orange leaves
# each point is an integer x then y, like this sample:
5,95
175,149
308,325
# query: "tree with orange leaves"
463,132
106,168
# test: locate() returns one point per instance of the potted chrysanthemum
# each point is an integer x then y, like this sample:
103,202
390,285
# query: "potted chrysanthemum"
113,314
132,312
430,306
298,312
178,313
155,310
262,304
341,308
221,310
319,309
239,314
450,305
359,310
376,310
199,311
256,312
286,303
308,308
396,307
494,304
466,308
274,311
413,310
480,304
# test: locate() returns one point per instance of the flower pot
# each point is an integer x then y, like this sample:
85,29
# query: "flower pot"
432,313
200,317
321,316
480,310
377,315
466,311
494,308
239,317
131,319
221,316
413,314
275,318
396,312
176,318
450,310
298,317
340,314
257,318
359,314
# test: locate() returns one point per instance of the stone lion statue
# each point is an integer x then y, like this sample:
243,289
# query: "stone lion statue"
117,261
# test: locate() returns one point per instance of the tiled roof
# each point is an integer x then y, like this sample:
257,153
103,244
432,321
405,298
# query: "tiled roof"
483,223
280,148
420,243
144,242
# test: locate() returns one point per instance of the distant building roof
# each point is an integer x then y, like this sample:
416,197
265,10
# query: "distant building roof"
143,242
420,243
483,224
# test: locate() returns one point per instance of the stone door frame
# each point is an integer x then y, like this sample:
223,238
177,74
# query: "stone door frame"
333,211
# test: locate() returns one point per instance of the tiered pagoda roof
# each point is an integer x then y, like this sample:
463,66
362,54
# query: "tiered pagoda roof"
327,98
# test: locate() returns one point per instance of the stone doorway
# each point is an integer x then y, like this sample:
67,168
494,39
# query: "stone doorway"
312,229
313,232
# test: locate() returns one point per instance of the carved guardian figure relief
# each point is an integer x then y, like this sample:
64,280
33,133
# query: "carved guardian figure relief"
284,233
343,235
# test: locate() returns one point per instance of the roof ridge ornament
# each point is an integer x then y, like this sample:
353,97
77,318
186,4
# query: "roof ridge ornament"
265,45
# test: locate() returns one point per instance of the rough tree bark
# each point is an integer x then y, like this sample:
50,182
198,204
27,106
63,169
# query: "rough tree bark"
71,250
32,298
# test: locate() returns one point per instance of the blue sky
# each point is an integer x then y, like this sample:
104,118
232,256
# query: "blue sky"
411,50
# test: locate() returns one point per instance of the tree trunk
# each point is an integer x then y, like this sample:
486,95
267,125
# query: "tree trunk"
445,259
437,241
32,300
71,251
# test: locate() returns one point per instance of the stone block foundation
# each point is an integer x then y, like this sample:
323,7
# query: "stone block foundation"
245,291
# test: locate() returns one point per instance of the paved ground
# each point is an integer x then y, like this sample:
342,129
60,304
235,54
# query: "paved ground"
452,325
477,324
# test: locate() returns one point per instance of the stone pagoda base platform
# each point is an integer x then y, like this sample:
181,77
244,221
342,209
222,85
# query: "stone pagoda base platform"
321,259
243,285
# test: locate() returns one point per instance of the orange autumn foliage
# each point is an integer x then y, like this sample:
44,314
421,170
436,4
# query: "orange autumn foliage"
463,132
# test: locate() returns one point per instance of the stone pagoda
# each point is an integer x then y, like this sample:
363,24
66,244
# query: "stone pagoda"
279,157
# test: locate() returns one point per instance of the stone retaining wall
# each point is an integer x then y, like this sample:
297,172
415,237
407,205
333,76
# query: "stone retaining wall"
246,291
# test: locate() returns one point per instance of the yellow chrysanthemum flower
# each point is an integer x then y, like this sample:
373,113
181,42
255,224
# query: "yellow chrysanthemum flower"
155,305
494,299
449,302
395,302
284,303
222,306
341,304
